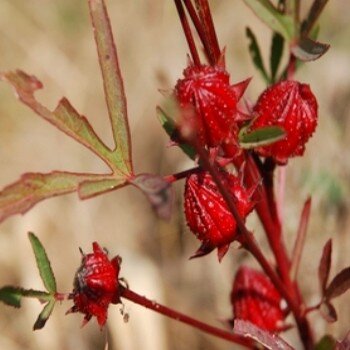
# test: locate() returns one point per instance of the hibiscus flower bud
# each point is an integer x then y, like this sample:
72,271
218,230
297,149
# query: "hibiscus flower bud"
208,103
255,299
292,106
96,285
207,213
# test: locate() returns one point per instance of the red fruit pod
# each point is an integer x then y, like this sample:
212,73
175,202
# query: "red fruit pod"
96,285
255,299
208,102
292,106
207,213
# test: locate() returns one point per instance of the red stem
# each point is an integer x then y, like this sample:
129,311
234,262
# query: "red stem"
178,176
199,28
188,33
287,290
209,29
217,332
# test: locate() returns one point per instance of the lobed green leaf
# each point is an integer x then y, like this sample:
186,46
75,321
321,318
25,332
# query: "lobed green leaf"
64,117
43,264
113,84
31,188
92,188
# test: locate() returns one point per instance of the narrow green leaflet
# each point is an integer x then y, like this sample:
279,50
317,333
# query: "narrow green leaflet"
12,296
31,188
92,188
272,17
64,117
255,54
309,50
168,125
113,83
261,137
277,46
43,264
44,315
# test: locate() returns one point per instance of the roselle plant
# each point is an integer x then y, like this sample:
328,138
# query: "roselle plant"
236,149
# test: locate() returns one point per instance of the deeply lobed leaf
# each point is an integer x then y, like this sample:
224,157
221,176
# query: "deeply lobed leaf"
31,188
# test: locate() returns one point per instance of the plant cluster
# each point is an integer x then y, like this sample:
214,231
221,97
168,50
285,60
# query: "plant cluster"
236,149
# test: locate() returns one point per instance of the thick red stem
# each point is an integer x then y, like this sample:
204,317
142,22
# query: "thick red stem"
208,24
217,332
188,33
199,28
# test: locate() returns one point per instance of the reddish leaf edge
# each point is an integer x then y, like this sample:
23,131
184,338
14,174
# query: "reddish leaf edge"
22,195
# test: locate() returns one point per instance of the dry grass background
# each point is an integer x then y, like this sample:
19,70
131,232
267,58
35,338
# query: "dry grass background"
53,40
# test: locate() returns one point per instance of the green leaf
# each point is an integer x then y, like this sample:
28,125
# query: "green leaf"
278,22
64,117
92,188
261,137
277,46
44,315
31,188
43,264
307,49
326,343
113,83
169,126
255,54
12,296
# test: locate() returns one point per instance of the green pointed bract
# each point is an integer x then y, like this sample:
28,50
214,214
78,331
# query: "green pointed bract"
277,45
261,137
44,315
255,54
169,126
43,264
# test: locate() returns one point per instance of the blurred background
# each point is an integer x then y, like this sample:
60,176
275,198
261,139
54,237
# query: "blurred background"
53,40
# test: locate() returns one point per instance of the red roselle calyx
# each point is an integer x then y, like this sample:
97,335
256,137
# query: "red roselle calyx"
255,299
207,213
208,103
292,106
96,285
